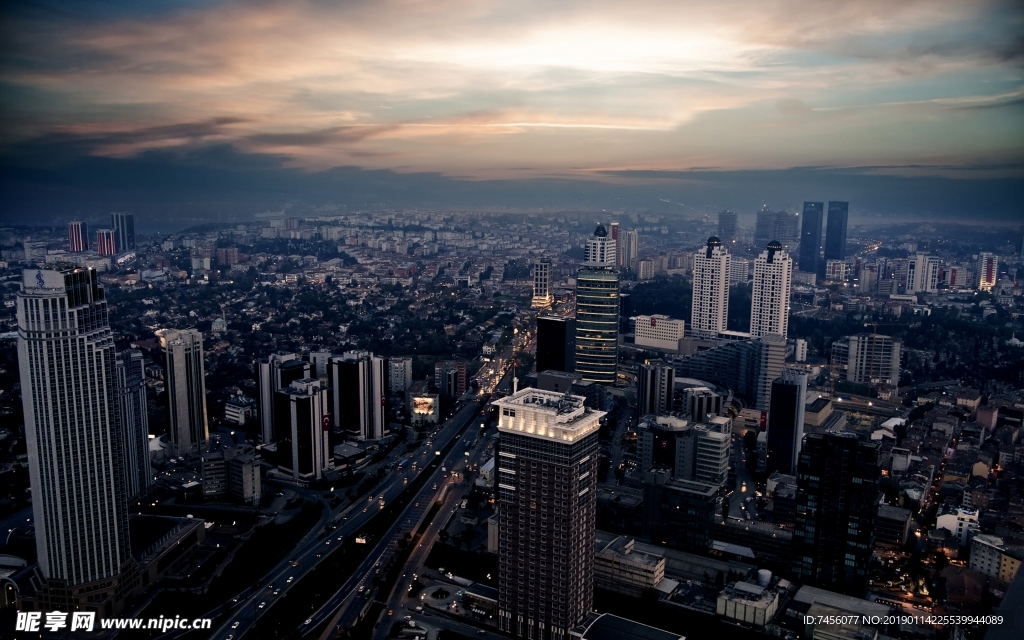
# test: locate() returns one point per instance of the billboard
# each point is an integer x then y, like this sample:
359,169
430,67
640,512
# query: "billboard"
424,405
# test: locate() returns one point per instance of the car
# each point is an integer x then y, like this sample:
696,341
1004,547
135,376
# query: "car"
262,604
277,592
308,621
295,563
481,632
391,612
365,509
328,542
235,625
339,538
289,580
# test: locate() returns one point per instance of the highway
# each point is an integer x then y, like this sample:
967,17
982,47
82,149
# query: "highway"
254,602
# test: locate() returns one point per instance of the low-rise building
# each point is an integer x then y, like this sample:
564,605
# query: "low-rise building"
752,604
619,568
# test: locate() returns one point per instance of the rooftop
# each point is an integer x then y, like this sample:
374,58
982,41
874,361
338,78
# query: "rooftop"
609,627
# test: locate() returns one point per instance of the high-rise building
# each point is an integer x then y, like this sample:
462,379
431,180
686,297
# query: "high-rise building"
728,226
75,444
987,271
786,422
867,358
399,374
923,274
123,225
689,451
835,231
630,245
709,313
131,394
304,428
837,494
186,389
542,297
764,226
106,242
600,249
547,496
787,229
739,271
450,378
556,343
769,305
659,332
78,237
615,231
274,373
747,367
678,513
358,383
597,324
869,275
810,237
655,385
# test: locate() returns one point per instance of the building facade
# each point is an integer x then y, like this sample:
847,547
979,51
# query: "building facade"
773,280
835,231
131,394
274,373
78,237
556,343
547,495
76,452
123,226
302,415
659,332
655,385
868,358
358,382
597,324
542,297
106,242
987,271
399,374
186,389
709,313
785,422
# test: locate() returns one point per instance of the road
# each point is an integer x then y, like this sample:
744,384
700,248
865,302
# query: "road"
345,607
253,603
397,601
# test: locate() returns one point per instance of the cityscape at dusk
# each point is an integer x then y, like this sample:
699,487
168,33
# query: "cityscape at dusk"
541,321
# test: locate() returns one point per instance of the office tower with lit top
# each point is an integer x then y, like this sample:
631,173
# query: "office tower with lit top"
810,237
709,313
837,496
76,453
186,389
769,305
123,225
597,311
542,297
835,230
547,483
78,237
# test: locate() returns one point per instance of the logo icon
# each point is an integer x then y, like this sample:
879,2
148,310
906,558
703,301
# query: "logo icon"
39,277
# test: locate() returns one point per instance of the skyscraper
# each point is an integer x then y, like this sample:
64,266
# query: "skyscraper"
728,226
75,447
304,425
547,496
810,237
542,297
600,249
769,305
709,312
123,225
987,271
835,232
786,422
186,389
78,237
131,393
106,242
274,373
630,245
837,495
597,324
655,385
358,389
556,343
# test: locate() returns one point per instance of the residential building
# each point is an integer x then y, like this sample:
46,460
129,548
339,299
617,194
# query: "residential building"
645,270
630,245
131,395
77,459
923,274
556,343
186,389
987,271
658,332
542,297
810,237
547,489
867,358
835,232
833,539
123,226
597,324
78,237
769,306
747,367
450,378
959,522
600,249
709,313
399,374
655,387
